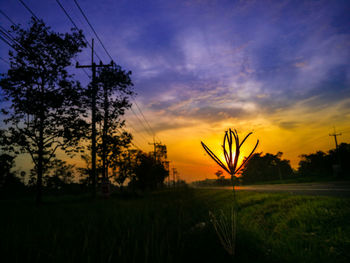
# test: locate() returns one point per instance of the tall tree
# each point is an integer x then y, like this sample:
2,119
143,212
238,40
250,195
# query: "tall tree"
44,114
114,91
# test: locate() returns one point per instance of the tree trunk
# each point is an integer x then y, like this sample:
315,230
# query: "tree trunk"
40,166
104,135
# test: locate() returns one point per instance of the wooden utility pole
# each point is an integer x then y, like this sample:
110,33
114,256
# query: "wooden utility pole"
335,138
162,150
154,148
93,67
337,165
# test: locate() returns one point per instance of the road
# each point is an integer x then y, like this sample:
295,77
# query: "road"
338,189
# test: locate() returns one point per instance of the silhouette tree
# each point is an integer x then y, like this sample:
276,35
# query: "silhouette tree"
341,156
317,164
58,174
6,164
45,110
266,167
148,173
113,92
123,166
8,179
218,174
321,164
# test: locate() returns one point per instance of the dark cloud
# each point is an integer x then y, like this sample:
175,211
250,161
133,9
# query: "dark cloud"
289,125
170,125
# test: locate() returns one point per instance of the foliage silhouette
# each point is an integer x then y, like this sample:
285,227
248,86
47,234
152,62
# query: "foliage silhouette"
321,164
266,168
112,100
45,112
148,173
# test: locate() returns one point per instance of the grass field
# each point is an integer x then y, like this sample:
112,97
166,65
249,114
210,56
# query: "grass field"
159,227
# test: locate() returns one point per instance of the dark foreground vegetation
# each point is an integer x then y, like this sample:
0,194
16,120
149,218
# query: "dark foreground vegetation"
173,226
272,169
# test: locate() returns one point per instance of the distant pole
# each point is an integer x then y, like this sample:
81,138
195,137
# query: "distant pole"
337,165
335,138
93,67
154,148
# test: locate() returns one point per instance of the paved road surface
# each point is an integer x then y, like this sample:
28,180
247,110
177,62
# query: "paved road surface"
338,189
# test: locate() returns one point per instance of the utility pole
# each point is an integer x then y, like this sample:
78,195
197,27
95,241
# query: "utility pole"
162,150
154,148
93,67
335,138
337,165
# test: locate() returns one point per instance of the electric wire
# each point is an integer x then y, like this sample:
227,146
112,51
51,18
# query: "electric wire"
143,116
132,127
85,17
103,46
4,40
75,26
6,35
92,28
149,129
131,142
4,60
9,19
144,126
36,17
29,10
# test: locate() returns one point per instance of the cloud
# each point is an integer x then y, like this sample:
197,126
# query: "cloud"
288,125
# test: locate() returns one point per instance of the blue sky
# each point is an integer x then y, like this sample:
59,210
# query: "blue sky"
276,67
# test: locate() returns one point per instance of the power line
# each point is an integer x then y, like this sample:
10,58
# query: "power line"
33,14
130,141
143,116
129,124
92,28
137,117
9,19
94,31
86,19
76,27
4,40
105,49
29,10
8,35
4,33
4,60
79,20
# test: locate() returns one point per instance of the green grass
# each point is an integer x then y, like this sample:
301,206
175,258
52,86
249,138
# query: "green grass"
297,179
159,227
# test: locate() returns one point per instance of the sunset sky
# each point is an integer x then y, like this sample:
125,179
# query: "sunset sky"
278,68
